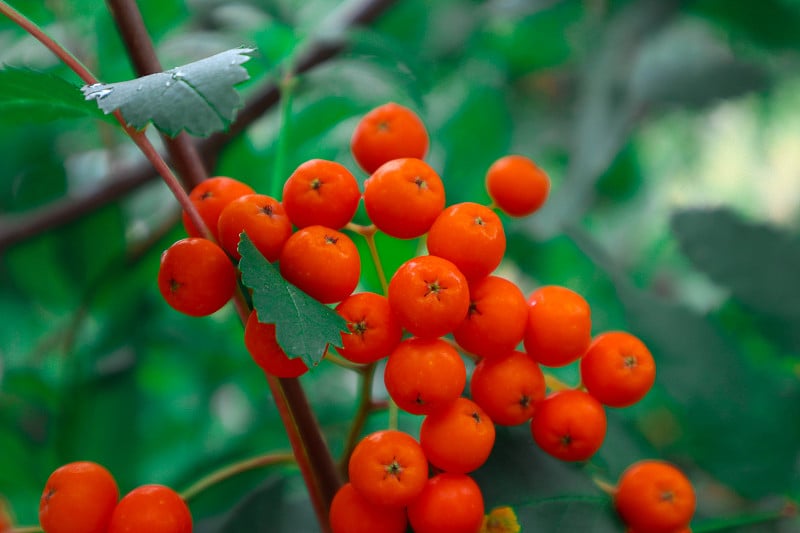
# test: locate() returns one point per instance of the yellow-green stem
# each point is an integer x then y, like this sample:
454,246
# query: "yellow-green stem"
235,469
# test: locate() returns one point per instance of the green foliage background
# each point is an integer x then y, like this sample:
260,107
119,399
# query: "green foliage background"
667,127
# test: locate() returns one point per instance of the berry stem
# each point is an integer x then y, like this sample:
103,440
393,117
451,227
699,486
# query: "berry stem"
368,232
554,384
26,529
605,486
234,469
365,407
286,87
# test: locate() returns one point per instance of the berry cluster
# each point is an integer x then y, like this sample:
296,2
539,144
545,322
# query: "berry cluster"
82,497
437,307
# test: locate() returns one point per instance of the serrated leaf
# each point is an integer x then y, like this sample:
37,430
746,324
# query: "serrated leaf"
198,97
303,326
758,263
40,97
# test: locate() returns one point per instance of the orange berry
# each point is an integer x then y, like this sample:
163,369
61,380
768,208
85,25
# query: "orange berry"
457,437
403,197
261,343
495,322
387,132
569,425
151,508
209,198
388,468
78,497
374,330
655,496
471,236
350,512
424,374
559,327
321,193
195,277
508,387
262,218
449,503
516,185
322,262
618,369
429,296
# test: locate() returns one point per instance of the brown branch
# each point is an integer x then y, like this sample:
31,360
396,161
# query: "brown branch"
142,54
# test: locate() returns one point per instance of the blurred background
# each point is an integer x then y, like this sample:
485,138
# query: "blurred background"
670,130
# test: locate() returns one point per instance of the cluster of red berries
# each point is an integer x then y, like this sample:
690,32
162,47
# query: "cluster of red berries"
82,497
449,292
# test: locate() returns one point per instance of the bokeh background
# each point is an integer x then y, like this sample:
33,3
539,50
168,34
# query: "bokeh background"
670,130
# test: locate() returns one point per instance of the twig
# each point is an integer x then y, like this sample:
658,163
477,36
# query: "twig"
234,469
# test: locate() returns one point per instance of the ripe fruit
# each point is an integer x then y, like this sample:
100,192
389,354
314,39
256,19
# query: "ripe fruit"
457,437
388,132
559,327
151,508
321,193
196,277
350,512
403,197
388,468
429,295
374,330
262,218
260,340
508,387
495,322
516,185
322,262
449,503
424,374
471,236
78,497
618,369
569,425
655,496
209,198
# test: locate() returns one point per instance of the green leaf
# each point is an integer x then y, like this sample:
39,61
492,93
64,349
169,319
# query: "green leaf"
32,96
198,97
758,263
304,327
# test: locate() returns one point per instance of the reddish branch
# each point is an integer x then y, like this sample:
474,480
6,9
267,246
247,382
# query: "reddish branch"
17,228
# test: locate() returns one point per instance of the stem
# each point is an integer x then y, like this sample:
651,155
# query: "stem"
368,232
605,486
365,407
234,469
286,86
27,529
554,384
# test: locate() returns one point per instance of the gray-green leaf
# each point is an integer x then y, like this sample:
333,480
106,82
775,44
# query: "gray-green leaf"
198,97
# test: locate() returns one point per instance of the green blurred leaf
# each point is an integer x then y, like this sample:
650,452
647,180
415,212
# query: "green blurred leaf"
198,97
304,327
757,262
32,96
572,513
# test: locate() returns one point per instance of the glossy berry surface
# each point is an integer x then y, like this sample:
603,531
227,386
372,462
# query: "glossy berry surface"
390,131
78,497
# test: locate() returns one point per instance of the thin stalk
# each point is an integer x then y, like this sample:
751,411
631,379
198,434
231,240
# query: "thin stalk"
286,86
27,529
235,469
365,407
554,384
368,232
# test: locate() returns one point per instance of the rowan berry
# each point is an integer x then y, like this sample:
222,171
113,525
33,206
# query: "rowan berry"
618,369
262,218
388,468
508,387
322,262
78,497
655,496
195,276
424,374
151,508
457,437
569,425
321,193
516,185
374,330
559,327
262,344
449,503
350,512
429,295
209,198
387,132
403,197
495,322
471,236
